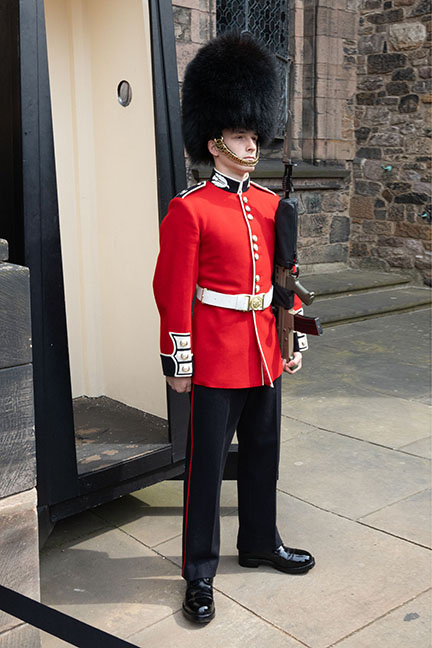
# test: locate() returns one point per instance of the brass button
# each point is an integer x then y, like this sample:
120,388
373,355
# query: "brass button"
254,237
184,356
256,256
255,247
185,368
183,343
245,199
257,288
247,208
257,277
250,216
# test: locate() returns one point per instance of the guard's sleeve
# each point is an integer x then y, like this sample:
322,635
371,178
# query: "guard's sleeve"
300,339
174,284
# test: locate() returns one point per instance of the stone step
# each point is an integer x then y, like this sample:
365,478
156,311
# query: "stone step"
349,280
340,309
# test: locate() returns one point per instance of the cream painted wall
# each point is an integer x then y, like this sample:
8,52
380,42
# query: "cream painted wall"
106,174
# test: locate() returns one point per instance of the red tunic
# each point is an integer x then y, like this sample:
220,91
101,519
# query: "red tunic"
220,235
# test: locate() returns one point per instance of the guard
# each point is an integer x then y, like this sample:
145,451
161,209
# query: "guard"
217,243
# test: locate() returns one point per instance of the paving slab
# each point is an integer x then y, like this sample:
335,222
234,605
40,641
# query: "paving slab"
421,448
233,626
407,627
388,355
347,476
111,581
360,575
409,519
360,305
356,412
348,280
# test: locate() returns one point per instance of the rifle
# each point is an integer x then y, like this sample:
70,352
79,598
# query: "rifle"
286,270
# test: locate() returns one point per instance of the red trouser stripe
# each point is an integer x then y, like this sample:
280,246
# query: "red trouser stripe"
189,481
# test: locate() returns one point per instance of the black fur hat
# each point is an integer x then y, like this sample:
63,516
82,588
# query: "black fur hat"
231,83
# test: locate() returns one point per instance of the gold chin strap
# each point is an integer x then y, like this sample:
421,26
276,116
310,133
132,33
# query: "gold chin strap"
223,148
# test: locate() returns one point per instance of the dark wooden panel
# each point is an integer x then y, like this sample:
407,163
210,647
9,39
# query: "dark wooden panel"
15,325
17,445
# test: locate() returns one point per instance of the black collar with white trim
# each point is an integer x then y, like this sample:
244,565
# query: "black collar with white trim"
229,184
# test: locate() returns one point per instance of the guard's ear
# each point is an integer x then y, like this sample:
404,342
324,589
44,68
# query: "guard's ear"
211,145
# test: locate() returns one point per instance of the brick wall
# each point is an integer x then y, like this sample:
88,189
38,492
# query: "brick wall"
390,203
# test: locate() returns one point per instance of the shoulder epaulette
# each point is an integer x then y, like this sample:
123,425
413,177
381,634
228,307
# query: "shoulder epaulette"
190,190
258,186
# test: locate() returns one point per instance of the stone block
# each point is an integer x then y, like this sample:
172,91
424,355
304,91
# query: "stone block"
397,88
311,201
365,188
404,74
334,202
395,257
314,225
413,230
421,8
412,198
182,23
377,227
408,104
369,152
324,253
425,72
361,207
383,63
403,3
23,636
366,98
19,564
389,138
372,44
17,443
339,229
404,36
362,134
390,16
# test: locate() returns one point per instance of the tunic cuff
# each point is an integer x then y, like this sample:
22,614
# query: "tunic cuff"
179,363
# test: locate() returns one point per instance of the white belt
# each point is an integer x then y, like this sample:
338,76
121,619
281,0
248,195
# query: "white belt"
235,302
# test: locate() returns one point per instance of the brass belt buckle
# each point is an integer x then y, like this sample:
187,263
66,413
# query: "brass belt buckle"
256,302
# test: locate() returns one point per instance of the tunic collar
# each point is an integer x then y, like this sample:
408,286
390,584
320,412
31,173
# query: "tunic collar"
229,184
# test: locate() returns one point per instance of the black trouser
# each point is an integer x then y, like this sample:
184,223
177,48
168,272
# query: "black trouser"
215,415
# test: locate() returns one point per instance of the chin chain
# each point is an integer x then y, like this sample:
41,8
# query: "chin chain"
223,148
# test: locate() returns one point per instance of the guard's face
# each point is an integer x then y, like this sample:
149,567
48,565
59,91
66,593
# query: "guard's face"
244,144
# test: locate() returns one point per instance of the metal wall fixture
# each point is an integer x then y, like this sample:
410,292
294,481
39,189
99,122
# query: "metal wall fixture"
124,93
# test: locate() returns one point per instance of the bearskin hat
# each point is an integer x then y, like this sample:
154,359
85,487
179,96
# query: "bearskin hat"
231,83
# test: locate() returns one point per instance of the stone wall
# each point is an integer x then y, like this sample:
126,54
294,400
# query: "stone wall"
390,205
361,100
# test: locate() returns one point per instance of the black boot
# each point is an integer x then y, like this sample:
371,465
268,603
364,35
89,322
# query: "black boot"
198,605
290,561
